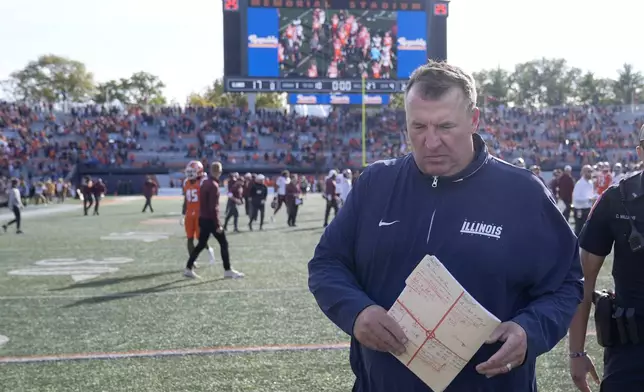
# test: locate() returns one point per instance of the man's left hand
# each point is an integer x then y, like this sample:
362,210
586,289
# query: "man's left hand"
511,355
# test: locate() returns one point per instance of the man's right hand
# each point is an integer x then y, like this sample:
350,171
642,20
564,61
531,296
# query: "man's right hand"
376,330
579,369
182,220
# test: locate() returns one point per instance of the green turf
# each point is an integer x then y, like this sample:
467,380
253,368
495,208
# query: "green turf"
147,305
268,372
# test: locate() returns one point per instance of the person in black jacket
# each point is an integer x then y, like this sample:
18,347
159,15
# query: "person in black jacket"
98,191
87,194
292,200
258,194
614,225
150,188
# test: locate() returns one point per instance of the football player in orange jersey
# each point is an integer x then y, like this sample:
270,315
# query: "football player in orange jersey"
190,220
604,178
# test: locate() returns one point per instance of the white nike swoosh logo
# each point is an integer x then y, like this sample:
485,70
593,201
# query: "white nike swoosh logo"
387,223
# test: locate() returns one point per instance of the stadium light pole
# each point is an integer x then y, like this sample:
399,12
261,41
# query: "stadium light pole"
364,124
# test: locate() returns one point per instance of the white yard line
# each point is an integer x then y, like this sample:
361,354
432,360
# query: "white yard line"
170,353
299,17
275,244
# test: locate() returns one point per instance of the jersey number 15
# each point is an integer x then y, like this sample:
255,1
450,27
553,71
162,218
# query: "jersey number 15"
192,195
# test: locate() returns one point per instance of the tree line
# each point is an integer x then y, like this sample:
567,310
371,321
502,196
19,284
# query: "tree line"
536,83
553,82
52,79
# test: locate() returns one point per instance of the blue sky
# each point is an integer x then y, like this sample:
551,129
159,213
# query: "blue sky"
181,41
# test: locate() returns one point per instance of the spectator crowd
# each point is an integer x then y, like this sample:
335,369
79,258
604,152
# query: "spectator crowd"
40,143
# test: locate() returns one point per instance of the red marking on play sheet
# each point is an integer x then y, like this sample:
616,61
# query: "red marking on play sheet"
431,333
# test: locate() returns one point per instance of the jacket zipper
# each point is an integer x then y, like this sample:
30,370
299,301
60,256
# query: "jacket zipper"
435,185
431,222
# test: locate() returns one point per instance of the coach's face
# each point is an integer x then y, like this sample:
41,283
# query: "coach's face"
587,172
440,131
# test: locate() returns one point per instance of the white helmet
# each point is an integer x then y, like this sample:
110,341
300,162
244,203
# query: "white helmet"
194,169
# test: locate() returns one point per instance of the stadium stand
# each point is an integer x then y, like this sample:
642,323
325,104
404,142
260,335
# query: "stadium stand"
44,143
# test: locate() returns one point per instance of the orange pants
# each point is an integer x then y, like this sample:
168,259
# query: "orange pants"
191,224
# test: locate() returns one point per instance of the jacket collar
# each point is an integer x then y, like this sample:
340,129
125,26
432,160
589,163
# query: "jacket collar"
632,186
481,157
638,186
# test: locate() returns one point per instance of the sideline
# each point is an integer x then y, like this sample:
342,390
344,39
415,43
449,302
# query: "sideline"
171,353
33,211
140,265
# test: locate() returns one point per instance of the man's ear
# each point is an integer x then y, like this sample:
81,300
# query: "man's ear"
476,117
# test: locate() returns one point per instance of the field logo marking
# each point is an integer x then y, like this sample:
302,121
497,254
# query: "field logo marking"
156,221
3,340
78,270
136,236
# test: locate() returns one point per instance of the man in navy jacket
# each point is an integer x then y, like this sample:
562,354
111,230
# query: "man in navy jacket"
517,256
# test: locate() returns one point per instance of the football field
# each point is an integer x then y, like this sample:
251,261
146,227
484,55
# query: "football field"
98,303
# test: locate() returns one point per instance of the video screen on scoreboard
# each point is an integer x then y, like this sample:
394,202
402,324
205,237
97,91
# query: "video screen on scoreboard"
330,43
337,44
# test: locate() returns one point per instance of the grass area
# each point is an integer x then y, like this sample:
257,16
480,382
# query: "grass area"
141,303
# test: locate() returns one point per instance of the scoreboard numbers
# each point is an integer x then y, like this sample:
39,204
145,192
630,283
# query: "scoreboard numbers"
341,85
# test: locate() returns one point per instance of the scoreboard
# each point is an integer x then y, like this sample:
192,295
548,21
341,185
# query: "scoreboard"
330,46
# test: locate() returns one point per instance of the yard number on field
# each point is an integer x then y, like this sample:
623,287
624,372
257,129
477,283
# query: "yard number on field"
78,269
136,236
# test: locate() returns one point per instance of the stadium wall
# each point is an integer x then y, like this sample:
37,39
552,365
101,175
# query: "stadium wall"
135,177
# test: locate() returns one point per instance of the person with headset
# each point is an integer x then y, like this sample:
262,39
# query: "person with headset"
616,221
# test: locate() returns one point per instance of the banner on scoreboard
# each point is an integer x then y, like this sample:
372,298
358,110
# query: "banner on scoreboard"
412,43
263,40
337,99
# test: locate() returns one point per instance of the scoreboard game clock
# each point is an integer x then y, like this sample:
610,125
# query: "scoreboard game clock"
330,46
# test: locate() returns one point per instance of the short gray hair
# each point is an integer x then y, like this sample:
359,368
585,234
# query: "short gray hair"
435,78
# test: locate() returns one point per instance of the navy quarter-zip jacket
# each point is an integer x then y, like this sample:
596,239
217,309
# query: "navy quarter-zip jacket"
517,256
